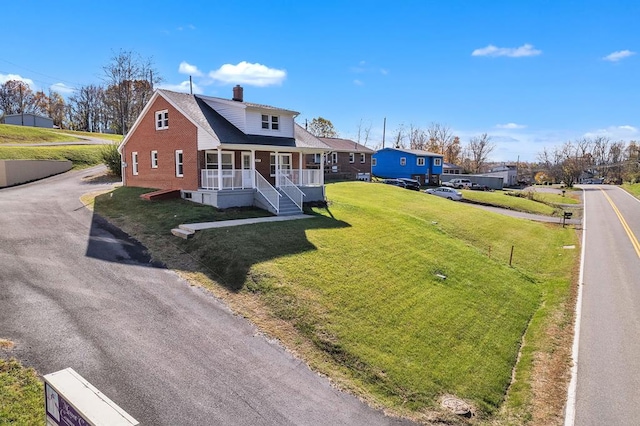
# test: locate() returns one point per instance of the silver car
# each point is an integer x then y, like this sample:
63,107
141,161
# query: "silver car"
448,193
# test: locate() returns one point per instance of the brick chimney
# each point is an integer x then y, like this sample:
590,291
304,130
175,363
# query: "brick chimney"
238,93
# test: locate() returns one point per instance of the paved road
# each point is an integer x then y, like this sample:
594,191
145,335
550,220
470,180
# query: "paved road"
608,356
75,293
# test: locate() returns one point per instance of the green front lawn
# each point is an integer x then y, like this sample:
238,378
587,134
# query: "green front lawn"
21,395
632,188
502,199
399,296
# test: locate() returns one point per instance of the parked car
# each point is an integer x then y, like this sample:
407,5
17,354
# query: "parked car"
411,184
404,183
396,182
476,187
458,183
445,192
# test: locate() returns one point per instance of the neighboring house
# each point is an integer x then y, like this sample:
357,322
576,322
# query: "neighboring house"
222,152
347,160
451,169
508,173
407,163
27,119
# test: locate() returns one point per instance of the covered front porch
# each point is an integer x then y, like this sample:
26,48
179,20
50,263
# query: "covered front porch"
274,180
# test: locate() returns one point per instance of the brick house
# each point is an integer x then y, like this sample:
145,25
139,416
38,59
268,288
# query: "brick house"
347,160
222,152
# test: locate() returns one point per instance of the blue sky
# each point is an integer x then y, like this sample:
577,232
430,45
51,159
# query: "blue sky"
532,74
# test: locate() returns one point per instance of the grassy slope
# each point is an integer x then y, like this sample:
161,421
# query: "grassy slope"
501,199
21,394
19,134
81,155
632,188
362,287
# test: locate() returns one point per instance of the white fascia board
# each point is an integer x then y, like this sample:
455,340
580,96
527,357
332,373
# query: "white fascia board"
133,128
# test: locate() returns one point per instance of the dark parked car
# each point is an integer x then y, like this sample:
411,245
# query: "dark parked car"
476,187
396,182
411,184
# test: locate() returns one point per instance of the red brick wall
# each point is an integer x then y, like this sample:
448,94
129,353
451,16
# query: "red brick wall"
181,134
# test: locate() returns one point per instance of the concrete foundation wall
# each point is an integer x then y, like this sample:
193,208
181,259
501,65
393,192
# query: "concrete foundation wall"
14,172
312,193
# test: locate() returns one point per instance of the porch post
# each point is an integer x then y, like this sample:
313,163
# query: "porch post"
219,168
277,173
253,168
300,179
322,168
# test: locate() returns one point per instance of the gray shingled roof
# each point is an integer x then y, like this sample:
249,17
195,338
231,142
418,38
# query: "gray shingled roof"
345,145
215,124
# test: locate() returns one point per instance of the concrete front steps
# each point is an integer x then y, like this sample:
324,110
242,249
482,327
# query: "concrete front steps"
287,206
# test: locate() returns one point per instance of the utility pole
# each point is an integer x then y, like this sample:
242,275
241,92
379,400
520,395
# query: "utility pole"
384,128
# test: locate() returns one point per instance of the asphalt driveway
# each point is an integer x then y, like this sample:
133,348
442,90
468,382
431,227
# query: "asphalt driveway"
78,293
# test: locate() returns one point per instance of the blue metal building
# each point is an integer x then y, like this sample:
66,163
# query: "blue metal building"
407,163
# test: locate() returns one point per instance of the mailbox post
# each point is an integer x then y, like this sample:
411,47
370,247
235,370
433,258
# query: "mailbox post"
565,216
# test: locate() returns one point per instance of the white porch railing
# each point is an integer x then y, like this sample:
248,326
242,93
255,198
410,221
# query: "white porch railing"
268,191
307,177
231,179
291,190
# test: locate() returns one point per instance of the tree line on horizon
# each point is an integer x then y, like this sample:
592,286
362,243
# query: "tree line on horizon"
109,108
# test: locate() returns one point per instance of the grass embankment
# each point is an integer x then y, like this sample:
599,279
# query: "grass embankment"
632,188
543,203
82,156
21,394
357,292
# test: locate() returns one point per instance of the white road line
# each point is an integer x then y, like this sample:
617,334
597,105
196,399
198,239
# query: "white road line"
570,410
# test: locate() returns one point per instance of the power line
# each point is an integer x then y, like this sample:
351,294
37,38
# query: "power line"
42,74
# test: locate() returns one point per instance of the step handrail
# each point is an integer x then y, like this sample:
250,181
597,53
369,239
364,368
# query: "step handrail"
268,191
291,191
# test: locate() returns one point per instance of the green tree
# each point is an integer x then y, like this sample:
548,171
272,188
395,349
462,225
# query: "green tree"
322,128
111,158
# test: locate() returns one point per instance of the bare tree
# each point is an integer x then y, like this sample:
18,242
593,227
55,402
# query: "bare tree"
440,137
418,138
364,133
16,97
84,108
478,149
130,81
399,137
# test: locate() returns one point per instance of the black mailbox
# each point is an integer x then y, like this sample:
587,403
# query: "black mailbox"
567,215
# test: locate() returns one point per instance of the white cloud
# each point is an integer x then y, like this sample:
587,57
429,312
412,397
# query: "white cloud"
511,52
248,73
188,69
183,87
6,77
384,71
620,54
358,82
615,132
62,88
510,126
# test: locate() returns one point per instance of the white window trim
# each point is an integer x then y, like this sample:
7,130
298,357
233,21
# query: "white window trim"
352,157
374,162
154,159
279,162
437,161
270,121
134,163
334,157
162,119
420,163
179,164
403,161
363,158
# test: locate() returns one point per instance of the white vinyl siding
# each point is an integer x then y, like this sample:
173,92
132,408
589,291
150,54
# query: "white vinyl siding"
179,163
254,123
134,163
154,159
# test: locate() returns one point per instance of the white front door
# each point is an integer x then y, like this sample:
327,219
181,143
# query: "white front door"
247,170
281,165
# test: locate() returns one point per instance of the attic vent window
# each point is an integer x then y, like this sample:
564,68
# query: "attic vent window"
162,120
270,122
